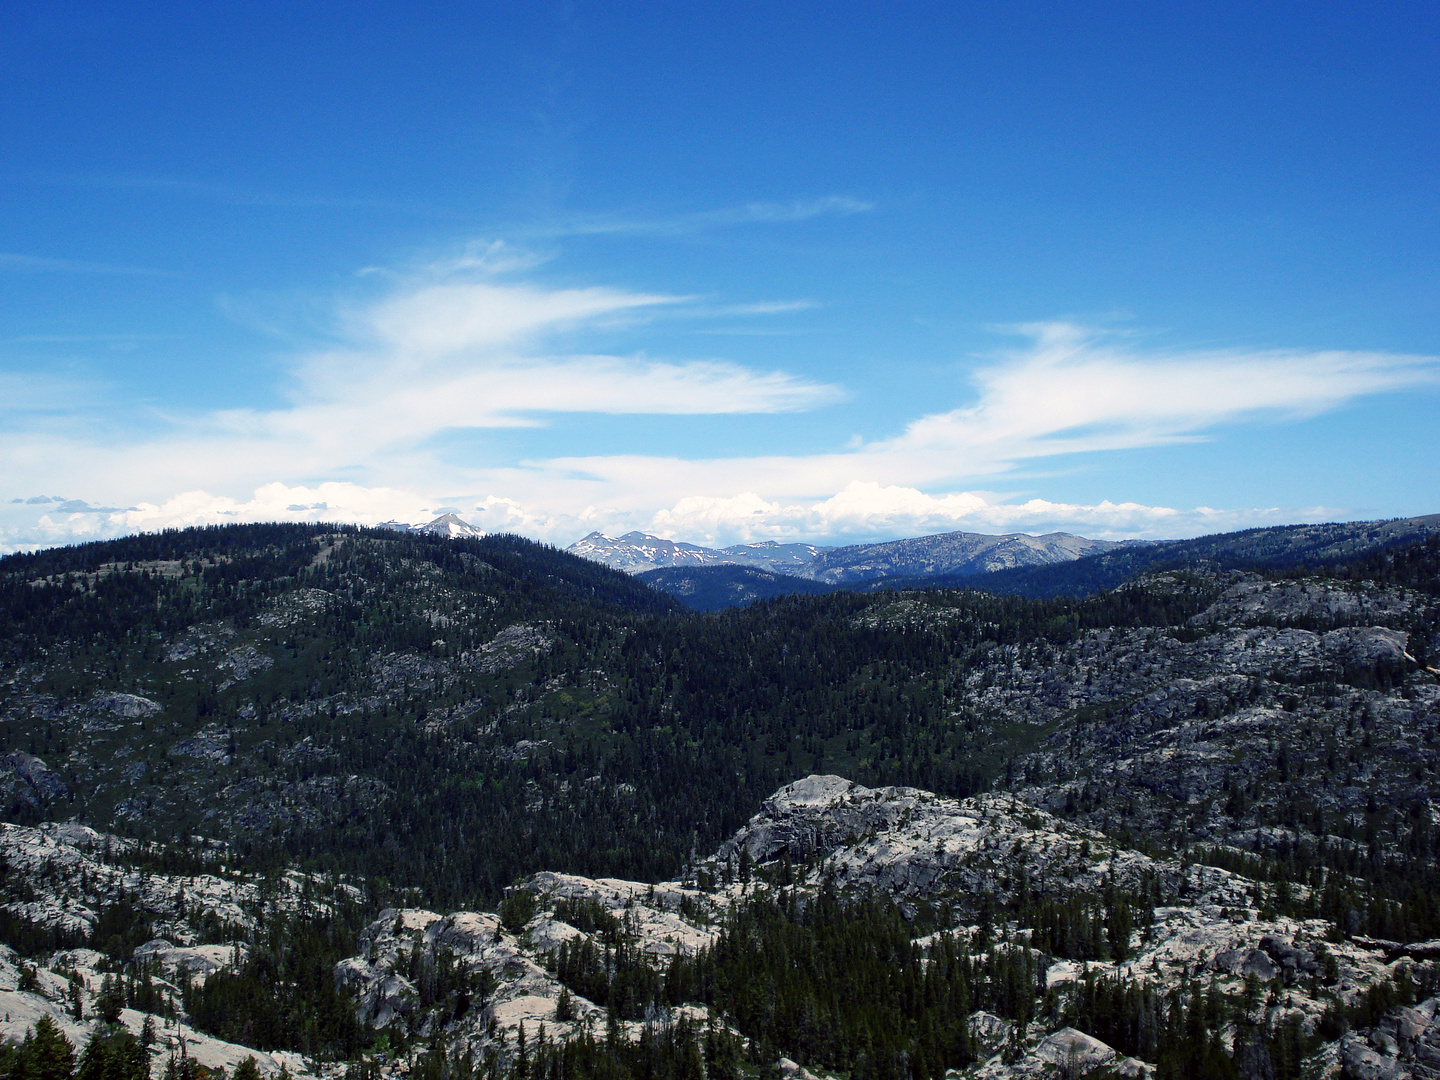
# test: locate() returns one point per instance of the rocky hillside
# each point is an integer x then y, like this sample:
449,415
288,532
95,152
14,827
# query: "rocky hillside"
100,928
1288,719
382,799
368,701
1057,942
961,554
1280,547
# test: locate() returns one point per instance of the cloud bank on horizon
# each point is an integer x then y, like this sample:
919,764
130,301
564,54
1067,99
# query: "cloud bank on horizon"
360,426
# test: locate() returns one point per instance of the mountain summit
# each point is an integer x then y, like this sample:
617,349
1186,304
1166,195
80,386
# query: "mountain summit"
451,525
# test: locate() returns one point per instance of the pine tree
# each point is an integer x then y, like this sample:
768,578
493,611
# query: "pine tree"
46,1054
111,1000
564,1007
113,1054
10,1061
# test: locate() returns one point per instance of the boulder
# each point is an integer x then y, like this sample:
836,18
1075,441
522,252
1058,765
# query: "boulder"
1075,1052
125,706
991,1032
34,772
1363,1063
1243,962
388,999
1293,961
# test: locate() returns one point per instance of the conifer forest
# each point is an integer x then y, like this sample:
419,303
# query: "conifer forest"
328,801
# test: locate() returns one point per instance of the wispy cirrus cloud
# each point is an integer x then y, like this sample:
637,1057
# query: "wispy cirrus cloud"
448,355
752,213
771,307
448,349
26,392
484,257
801,209
209,191
1068,391
437,351
1074,390
44,264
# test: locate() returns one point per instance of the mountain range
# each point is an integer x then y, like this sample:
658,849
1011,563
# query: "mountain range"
1053,564
636,552
1057,568
959,553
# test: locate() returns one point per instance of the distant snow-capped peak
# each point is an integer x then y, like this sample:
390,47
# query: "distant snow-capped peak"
956,553
451,525
636,552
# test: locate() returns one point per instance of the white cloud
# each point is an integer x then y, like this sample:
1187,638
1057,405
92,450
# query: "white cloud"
428,357
33,523
1067,393
860,512
468,354
866,510
444,351
1072,391
488,257
772,307
329,501
470,317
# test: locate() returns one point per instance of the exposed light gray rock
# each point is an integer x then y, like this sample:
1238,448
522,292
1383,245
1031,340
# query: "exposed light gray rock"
1075,1052
126,706
209,744
82,871
192,962
513,645
33,780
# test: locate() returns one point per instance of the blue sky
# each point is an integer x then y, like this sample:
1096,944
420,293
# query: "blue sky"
734,272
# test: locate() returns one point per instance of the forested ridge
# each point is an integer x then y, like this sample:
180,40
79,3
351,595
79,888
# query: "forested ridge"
432,720
624,697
